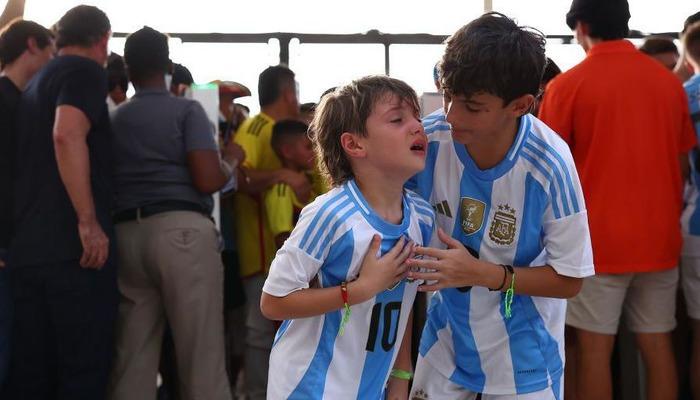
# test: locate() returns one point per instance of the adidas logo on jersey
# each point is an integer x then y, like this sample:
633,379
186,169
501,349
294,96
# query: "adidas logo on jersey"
443,208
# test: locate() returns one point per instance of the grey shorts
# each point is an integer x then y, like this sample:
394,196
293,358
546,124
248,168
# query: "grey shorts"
690,281
648,300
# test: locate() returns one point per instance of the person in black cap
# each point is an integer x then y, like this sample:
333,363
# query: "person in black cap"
627,144
167,165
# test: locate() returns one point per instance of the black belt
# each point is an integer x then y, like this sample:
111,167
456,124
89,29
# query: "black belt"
157,208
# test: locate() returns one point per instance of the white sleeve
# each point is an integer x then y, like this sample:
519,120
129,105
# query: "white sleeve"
567,239
567,242
291,270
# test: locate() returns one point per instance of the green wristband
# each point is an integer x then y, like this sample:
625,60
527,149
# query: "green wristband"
401,374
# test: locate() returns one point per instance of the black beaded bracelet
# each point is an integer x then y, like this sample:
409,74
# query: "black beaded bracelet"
505,275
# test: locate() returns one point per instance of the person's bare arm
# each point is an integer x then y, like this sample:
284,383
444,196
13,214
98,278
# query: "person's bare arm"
397,388
254,181
455,267
281,238
210,171
71,128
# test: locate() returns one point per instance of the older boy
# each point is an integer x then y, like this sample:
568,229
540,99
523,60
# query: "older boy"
512,215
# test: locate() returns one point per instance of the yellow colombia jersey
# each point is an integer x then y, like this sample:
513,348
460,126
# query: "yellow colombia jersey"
283,208
256,244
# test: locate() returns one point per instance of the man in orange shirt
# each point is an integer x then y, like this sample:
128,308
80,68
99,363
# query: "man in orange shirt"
626,120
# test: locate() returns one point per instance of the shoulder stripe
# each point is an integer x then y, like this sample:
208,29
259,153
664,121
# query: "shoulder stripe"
564,168
556,173
555,207
424,212
428,122
437,128
523,133
358,200
324,224
423,209
417,197
344,216
313,226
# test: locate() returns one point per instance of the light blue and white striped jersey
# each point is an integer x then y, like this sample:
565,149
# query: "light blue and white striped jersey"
309,360
690,219
526,211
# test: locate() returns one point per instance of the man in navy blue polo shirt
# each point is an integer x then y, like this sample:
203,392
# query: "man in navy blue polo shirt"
61,256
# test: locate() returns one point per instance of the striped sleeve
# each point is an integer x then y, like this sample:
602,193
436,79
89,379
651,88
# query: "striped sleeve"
566,238
306,250
426,217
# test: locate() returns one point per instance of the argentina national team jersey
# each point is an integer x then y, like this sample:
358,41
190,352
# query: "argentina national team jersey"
309,360
690,220
526,211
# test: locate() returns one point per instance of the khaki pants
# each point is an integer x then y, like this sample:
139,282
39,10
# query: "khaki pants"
170,266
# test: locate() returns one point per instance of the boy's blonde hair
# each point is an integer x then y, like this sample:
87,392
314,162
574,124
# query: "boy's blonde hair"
691,42
346,109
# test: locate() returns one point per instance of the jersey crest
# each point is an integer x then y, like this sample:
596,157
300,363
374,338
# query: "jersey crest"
503,225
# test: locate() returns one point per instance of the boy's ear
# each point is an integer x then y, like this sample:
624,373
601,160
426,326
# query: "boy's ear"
288,94
32,46
352,145
285,151
522,105
582,28
687,64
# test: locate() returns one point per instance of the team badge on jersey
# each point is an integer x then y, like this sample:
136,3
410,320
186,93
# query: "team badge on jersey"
472,211
420,395
503,225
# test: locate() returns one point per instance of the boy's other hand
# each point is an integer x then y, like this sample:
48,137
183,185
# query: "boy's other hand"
452,267
233,151
299,183
380,273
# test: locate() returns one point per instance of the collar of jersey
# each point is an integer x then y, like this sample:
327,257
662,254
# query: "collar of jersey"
506,164
385,228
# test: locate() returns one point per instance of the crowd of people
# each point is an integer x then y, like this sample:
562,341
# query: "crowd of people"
117,282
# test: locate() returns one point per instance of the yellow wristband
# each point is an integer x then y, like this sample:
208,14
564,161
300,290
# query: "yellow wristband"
401,374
